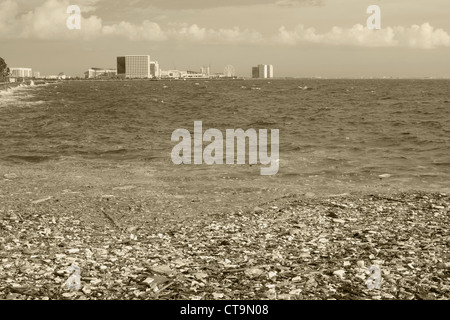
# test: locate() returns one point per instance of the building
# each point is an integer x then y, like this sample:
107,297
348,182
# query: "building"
178,74
155,72
95,73
270,71
173,74
255,72
195,75
262,71
206,71
134,66
21,72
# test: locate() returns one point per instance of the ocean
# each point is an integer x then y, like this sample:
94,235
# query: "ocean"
335,135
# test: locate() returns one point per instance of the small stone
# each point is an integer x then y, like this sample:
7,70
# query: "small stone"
339,221
311,283
384,176
361,264
253,272
258,210
87,290
72,251
295,292
339,273
148,281
69,294
310,195
347,263
11,176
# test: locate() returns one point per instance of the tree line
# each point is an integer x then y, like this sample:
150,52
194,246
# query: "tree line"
4,70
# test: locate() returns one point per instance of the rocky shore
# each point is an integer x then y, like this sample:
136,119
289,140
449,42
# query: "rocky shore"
295,247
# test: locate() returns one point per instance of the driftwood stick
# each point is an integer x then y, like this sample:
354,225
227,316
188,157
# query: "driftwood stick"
111,219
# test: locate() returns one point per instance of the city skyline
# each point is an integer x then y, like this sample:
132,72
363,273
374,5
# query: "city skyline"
302,38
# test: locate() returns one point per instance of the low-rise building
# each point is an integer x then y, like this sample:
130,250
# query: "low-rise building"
95,73
21,72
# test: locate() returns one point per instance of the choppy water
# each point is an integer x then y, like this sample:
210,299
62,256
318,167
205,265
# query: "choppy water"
341,130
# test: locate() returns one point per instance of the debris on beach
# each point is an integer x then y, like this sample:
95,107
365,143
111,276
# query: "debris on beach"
295,247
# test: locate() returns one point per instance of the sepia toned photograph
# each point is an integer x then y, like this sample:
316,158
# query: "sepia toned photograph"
240,152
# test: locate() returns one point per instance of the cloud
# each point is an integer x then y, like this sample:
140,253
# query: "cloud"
48,22
299,3
45,22
230,36
424,36
198,4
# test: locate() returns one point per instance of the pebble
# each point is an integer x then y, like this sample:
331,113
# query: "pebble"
258,210
11,176
339,273
253,272
86,290
311,283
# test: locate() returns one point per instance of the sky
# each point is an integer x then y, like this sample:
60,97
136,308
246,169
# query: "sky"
300,38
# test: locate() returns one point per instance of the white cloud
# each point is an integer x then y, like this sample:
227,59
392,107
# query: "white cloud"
424,36
298,3
146,31
48,22
196,33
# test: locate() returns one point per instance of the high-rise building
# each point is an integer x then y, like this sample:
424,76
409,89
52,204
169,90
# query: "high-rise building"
154,69
270,71
134,66
21,72
262,71
206,71
255,72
